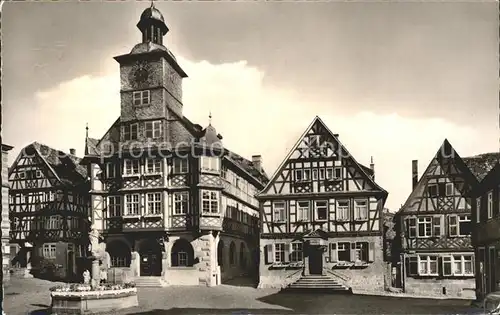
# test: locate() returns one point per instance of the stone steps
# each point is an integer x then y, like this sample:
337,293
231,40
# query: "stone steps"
154,282
318,284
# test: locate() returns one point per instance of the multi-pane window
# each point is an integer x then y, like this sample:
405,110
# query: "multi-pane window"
210,201
337,173
427,265
302,175
180,165
360,210
114,206
303,211
436,226
141,97
153,166
478,210
130,131
210,163
53,223
297,254
132,204
424,226
279,212
458,265
182,259
181,202
153,129
49,250
459,225
154,203
490,205
131,167
361,251
279,252
344,251
321,209
315,174
343,211
321,173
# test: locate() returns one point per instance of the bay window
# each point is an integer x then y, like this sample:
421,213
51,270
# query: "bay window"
180,166
154,203
153,166
210,201
210,163
132,204
131,167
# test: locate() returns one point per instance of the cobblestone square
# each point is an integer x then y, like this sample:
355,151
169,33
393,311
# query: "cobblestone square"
31,296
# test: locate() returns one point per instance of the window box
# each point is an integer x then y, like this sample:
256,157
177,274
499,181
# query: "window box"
295,265
279,265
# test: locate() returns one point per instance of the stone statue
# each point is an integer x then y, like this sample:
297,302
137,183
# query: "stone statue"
94,242
86,277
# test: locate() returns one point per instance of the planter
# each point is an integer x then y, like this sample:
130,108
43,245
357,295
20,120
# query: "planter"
89,302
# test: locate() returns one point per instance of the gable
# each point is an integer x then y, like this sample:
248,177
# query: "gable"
444,185
317,163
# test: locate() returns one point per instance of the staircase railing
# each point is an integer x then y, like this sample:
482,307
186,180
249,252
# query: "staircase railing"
293,273
341,277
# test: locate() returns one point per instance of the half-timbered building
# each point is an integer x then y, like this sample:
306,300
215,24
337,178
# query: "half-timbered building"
172,204
321,215
5,212
486,225
49,212
434,227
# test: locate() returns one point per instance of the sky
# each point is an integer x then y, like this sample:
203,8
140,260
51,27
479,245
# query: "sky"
392,79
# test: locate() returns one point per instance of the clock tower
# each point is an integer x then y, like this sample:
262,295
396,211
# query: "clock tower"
150,83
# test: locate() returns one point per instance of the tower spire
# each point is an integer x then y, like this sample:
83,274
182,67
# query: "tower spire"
152,25
86,130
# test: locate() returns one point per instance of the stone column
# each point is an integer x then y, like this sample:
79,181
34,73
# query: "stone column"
96,271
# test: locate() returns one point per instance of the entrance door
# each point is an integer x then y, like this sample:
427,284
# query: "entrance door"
315,260
151,256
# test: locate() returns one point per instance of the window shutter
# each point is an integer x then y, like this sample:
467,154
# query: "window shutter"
288,251
443,226
268,253
371,252
333,252
353,252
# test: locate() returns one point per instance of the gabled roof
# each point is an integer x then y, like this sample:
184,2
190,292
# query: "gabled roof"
489,181
363,169
444,153
481,164
66,167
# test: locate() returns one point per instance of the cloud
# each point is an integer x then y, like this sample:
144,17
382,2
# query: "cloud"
257,119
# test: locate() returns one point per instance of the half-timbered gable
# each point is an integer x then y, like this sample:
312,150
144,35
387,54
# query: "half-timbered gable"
485,219
435,227
321,191
169,200
48,207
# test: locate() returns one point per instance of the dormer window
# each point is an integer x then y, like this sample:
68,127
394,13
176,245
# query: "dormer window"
153,129
141,97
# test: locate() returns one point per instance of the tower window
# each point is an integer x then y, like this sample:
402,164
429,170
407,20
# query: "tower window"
153,129
141,97
130,132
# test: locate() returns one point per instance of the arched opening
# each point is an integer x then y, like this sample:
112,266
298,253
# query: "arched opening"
243,262
150,253
220,253
182,254
232,254
119,253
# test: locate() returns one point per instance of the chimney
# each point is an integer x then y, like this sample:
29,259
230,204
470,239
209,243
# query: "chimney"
72,151
414,173
257,162
372,167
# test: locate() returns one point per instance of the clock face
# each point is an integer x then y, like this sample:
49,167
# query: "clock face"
140,73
